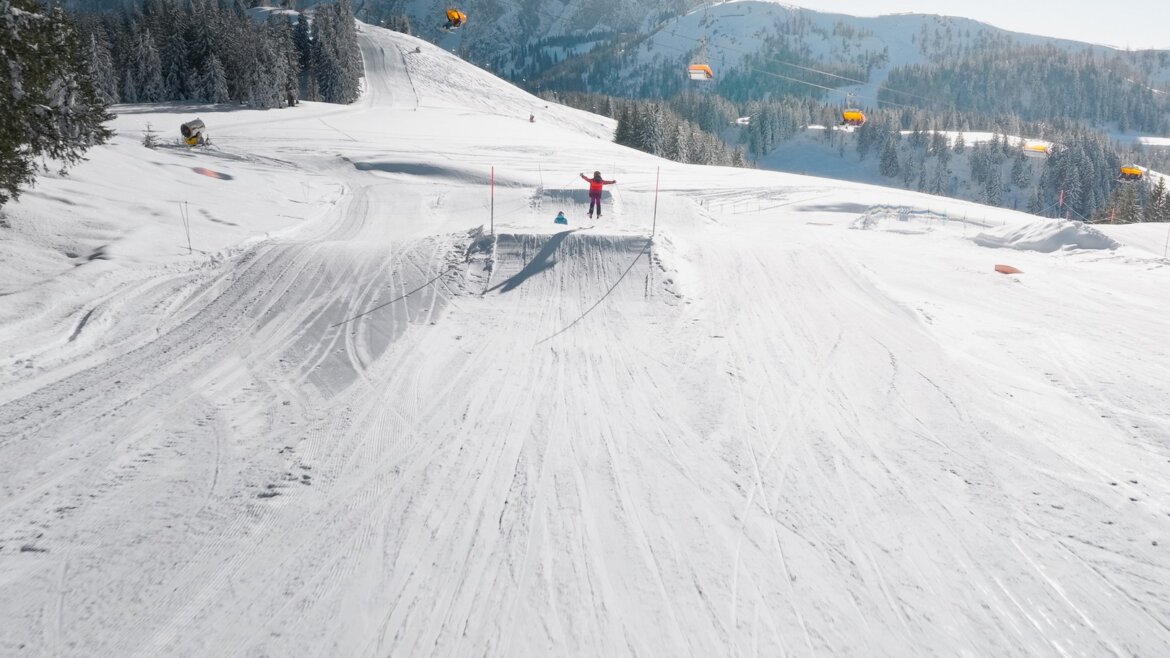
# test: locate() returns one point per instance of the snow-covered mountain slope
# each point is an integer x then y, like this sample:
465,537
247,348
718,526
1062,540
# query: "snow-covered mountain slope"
831,152
639,37
808,417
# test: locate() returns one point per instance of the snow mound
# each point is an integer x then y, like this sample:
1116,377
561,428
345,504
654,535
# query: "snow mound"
1046,236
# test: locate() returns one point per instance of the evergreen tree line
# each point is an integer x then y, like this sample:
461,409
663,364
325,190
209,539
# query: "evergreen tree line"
655,128
776,121
1079,180
1084,164
214,52
659,127
49,108
1137,202
1037,83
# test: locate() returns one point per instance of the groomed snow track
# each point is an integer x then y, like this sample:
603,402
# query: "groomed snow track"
801,422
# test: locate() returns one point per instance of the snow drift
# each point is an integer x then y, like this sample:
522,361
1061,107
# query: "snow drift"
1046,236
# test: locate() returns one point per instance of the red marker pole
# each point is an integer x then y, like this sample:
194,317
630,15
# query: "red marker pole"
493,211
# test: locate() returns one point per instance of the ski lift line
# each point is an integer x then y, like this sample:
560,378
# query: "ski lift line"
702,41
399,298
749,68
1067,208
589,310
832,75
805,82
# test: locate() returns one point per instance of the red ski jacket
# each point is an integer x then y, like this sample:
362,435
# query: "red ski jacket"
595,185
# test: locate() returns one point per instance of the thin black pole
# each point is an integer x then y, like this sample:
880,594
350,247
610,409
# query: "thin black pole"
654,225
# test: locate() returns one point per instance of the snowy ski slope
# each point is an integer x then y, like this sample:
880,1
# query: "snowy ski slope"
808,418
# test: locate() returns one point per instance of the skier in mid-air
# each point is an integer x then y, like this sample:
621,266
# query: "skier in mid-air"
595,185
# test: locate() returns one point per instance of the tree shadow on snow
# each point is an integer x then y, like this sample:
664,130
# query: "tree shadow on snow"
179,106
410,168
834,207
543,260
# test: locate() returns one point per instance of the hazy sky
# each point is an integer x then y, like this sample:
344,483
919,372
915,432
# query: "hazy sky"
1136,25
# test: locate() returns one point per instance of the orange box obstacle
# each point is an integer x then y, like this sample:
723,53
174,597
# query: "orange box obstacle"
1007,269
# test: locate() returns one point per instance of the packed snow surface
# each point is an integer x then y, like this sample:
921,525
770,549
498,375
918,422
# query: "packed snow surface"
383,406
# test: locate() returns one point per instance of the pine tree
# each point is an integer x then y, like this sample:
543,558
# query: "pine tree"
1163,212
992,192
624,132
212,83
303,40
173,58
101,70
1128,209
265,82
1157,202
938,179
48,106
336,59
292,65
1036,204
908,170
889,165
148,69
1021,175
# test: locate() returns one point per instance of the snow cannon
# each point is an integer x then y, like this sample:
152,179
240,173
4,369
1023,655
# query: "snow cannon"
194,132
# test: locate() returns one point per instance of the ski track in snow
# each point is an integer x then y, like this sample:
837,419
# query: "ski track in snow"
803,423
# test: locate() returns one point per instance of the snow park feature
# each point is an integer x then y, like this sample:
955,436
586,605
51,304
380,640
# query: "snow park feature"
355,421
1047,236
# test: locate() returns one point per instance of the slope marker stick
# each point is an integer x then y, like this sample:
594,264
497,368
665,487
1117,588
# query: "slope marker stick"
185,215
654,223
493,193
